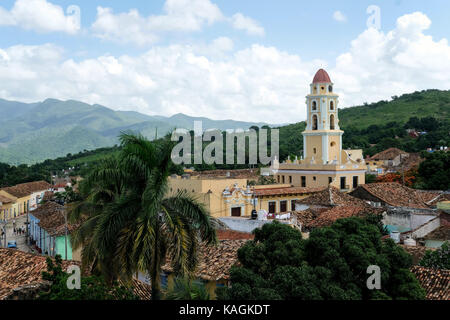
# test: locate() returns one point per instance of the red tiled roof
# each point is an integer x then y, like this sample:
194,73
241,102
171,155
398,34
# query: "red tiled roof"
25,189
215,261
18,268
321,76
395,194
237,173
436,282
51,218
388,154
331,196
285,191
228,234
328,217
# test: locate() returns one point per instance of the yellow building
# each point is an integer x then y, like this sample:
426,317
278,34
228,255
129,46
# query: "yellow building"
324,162
24,195
6,204
225,197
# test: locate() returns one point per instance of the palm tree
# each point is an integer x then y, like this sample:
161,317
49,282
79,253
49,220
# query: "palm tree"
184,289
131,222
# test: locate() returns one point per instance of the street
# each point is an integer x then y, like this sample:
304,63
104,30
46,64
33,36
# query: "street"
20,239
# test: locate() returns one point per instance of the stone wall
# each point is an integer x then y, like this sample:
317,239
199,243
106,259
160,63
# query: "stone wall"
408,218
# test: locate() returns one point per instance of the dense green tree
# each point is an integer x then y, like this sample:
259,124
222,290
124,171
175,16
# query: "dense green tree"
438,259
434,172
332,264
131,220
91,287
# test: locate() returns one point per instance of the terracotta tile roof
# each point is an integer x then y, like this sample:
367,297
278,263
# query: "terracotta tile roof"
25,189
4,199
436,282
441,233
306,217
407,163
237,173
47,209
431,198
331,196
48,195
388,154
285,191
328,217
18,268
52,219
228,234
215,261
395,194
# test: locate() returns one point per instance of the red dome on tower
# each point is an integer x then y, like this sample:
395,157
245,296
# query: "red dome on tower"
321,76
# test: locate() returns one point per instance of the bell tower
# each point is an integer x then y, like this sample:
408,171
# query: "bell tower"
322,138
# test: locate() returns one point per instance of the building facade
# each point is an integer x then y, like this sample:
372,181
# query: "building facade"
324,162
233,197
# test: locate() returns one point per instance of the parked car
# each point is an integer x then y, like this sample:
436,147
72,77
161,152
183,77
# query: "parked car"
12,244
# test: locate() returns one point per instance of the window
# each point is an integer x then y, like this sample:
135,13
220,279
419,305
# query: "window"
290,179
314,105
342,182
315,150
314,178
303,181
355,182
332,122
322,88
272,206
292,205
283,206
314,122
330,180
330,88
331,105
282,179
332,144
278,179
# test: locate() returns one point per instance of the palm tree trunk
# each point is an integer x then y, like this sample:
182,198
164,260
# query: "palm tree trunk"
154,274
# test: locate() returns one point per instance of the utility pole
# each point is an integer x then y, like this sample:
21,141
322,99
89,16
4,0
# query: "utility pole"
403,171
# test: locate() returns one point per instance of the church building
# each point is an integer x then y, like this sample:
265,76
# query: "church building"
324,162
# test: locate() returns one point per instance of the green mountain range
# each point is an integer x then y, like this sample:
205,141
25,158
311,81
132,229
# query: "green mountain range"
34,132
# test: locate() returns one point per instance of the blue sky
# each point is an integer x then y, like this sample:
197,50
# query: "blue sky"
241,59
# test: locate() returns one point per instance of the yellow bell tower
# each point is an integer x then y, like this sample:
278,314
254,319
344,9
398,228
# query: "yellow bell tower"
324,162
322,138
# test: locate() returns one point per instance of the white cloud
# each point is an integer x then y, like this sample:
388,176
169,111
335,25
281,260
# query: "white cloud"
241,22
131,27
178,16
40,16
339,16
380,65
257,83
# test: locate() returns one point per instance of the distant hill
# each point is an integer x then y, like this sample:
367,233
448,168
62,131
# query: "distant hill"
380,125
427,103
33,132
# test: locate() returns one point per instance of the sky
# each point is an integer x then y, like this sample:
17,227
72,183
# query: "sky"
249,60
